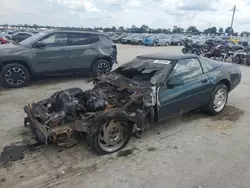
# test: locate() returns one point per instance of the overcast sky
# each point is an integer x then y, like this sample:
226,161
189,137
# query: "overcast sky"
154,13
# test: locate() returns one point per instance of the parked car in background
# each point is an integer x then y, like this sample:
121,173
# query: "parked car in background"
18,37
150,41
128,39
138,40
3,40
56,52
5,35
176,41
164,40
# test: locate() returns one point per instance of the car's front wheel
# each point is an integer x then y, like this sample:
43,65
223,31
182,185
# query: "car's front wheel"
218,100
101,67
15,75
109,137
236,59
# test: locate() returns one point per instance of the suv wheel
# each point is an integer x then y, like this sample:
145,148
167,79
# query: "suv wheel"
15,75
101,67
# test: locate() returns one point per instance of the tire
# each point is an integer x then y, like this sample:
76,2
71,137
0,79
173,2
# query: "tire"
17,41
17,70
210,108
196,51
102,64
167,44
248,63
96,138
184,50
140,43
236,59
207,56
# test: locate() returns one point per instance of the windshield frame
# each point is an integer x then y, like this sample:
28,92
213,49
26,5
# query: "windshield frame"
163,71
33,39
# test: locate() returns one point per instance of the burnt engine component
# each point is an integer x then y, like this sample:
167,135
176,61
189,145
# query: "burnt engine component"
96,104
61,107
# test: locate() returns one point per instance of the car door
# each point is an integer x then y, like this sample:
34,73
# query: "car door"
83,50
193,93
54,56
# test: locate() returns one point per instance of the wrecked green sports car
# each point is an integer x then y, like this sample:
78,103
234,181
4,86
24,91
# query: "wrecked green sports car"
149,89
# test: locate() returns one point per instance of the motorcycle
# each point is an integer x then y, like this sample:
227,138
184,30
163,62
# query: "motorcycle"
191,48
218,52
239,57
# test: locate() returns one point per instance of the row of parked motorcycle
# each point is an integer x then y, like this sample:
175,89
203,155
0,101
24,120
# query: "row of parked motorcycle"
223,51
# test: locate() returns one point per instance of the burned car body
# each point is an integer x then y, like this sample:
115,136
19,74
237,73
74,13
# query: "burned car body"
149,89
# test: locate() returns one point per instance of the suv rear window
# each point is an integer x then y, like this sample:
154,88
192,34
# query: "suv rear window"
105,40
83,39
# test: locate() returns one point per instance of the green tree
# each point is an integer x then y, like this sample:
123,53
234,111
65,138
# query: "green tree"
192,29
113,29
221,30
229,30
121,29
213,30
144,29
177,29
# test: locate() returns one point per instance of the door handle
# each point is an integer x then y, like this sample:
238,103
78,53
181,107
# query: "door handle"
204,81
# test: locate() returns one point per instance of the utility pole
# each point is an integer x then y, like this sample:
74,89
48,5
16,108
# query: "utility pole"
209,28
232,21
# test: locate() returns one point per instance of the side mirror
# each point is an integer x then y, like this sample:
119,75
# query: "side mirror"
39,45
175,82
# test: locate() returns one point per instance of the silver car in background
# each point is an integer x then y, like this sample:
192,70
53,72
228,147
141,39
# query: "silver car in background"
164,40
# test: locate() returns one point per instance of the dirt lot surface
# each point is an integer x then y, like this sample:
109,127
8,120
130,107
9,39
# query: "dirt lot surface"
193,151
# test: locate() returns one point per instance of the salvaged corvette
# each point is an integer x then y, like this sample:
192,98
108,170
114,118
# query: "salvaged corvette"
149,89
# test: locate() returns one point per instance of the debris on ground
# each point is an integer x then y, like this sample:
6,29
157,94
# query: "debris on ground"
16,152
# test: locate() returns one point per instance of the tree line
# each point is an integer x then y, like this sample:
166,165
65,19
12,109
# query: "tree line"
142,29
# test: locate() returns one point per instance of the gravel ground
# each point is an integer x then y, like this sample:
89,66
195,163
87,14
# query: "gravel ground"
192,151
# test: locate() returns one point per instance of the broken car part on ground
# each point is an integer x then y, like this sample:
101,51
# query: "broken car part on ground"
130,99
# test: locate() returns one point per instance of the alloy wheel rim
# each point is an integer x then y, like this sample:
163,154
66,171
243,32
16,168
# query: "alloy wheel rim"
15,76
103,68
112,136
220,99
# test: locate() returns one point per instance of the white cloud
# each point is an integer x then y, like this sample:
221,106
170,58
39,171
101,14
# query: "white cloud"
154,13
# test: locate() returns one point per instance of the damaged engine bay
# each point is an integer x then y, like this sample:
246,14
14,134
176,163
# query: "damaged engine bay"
129,101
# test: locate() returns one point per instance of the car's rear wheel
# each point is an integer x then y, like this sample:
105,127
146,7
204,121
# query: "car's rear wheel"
15,75
109,137
17,41
218,100
101,67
